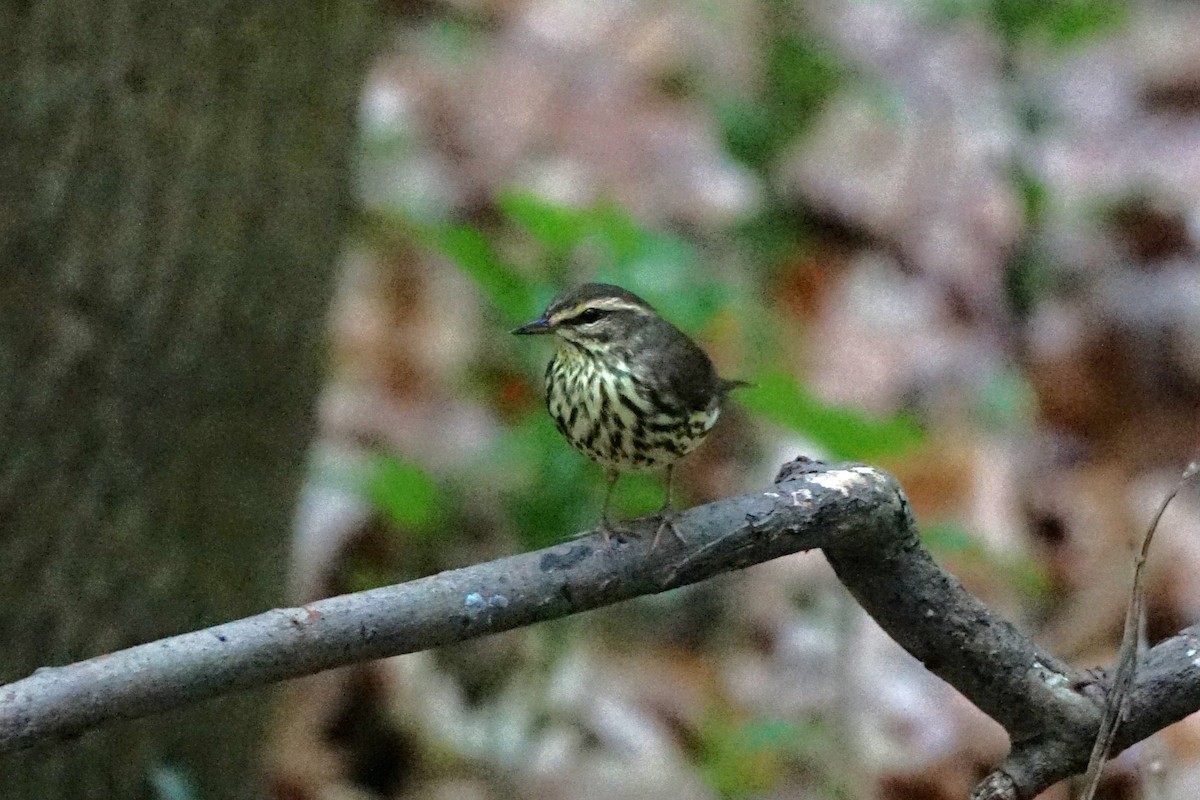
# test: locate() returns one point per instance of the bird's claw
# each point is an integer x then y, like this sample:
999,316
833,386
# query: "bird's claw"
609,529
668,520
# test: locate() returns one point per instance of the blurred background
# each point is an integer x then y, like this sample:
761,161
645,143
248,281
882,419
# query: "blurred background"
955,239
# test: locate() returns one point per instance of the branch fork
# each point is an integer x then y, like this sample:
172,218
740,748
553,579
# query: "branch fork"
856,514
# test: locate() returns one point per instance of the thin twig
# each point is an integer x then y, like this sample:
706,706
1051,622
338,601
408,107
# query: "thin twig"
1116,708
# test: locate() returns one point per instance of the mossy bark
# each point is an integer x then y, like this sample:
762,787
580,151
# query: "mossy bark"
174,185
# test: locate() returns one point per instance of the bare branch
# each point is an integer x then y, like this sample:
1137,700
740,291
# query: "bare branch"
857,514
449,607
1166,689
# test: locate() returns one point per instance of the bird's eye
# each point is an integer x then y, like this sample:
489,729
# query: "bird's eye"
588,316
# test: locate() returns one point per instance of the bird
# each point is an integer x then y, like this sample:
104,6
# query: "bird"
626,387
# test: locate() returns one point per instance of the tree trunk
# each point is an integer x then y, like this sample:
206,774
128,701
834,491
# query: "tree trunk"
174,185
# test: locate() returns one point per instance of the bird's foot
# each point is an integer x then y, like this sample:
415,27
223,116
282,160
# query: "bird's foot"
668,519
609,529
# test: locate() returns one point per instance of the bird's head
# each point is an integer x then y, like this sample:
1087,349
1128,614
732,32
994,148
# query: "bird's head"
592,316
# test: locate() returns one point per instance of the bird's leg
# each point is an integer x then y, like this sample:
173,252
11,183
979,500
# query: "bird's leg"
667,514
606,526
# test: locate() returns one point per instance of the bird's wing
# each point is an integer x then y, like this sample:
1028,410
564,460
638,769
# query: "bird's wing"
681,368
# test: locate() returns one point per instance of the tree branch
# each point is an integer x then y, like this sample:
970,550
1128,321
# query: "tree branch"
449,607
856,514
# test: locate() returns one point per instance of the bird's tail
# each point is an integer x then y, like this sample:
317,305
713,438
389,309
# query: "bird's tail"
726,386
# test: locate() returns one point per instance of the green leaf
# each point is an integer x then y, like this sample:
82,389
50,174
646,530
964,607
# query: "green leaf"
750,758
638,493
404,492
661,259
1028,277
772,234
1006,400
666,269
746,127
1081,20
801,73
948,538
1060,24
616,231
843,432
474,254
558,227
1034,194
551,491
1022,573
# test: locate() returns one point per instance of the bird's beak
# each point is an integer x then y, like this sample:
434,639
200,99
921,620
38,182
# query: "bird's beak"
539,325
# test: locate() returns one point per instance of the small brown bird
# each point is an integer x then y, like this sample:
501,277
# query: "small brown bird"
626,387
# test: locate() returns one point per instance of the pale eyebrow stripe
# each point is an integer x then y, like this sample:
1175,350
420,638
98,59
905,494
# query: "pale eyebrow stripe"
603,304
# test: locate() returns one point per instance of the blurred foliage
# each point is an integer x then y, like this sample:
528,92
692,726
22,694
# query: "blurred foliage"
499,283
744,758
1006,400
552,490
841,432
950,542
522,249
1034,194
1059,24
799,74
603,240
405,493
550,493
535,247
1027,277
